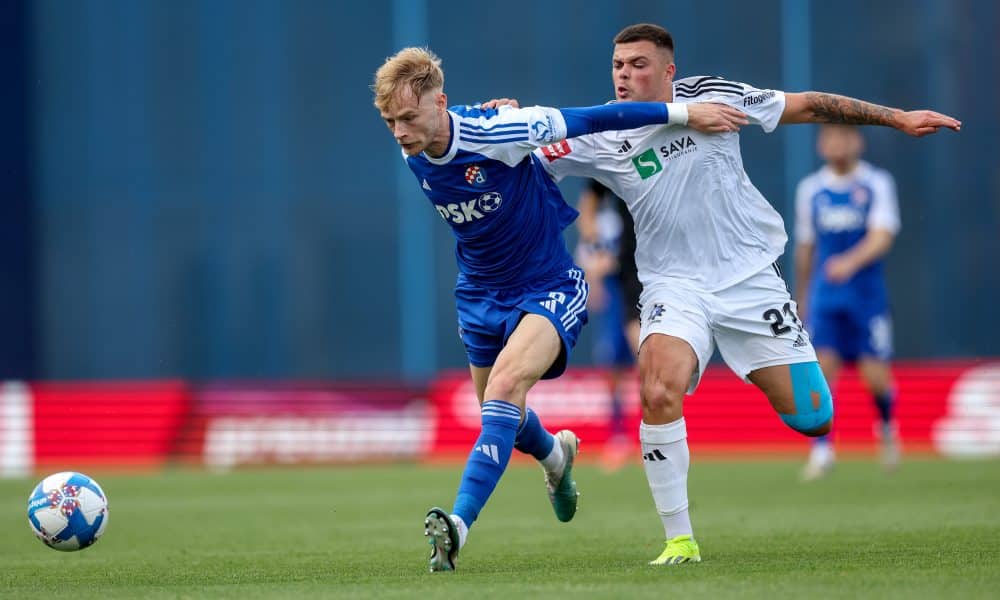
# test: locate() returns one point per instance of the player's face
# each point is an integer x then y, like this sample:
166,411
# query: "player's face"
642,72
416,121
840,145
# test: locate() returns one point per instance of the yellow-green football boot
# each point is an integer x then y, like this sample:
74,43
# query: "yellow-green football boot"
680,549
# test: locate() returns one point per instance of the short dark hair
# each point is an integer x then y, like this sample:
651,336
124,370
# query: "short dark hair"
648,32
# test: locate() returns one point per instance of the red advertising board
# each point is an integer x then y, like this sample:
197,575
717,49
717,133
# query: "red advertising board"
131,424
951,407
243,424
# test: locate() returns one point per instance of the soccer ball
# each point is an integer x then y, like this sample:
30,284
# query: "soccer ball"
68,511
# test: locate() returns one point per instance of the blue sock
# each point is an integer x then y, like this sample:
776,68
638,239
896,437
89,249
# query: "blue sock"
533,438
617,414
488,459
822,439
883,402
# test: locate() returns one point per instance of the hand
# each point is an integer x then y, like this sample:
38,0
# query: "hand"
597,296
596,263
498,102
919,123
715,118
839,268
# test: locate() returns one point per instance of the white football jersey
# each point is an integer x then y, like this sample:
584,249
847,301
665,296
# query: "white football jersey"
697,215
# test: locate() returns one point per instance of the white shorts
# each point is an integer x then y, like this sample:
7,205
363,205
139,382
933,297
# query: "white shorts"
755,322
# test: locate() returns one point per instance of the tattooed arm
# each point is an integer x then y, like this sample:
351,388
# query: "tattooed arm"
820,107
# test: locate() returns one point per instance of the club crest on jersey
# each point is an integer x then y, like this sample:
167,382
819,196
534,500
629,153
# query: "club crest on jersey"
656,314
475,175
489,202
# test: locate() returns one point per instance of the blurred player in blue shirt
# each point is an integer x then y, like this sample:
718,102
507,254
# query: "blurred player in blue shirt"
847,217
606,251
521,301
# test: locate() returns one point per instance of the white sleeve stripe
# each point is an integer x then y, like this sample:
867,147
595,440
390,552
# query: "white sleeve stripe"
503,140
689,88
486,134
467,125
706,89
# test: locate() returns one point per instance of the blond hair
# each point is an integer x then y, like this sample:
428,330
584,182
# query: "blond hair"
418,69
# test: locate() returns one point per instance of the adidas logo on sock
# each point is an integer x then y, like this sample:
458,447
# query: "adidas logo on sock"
489,450
654,456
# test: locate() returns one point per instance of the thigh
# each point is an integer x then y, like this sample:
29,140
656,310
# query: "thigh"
562,302
672,310
530,351
756,325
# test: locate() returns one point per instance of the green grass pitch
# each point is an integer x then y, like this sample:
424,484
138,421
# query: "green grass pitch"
930,531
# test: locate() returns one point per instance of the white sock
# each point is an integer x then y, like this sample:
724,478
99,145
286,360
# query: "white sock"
666,459
463,529
554,461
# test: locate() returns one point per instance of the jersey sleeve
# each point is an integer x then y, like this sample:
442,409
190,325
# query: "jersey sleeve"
884,213
762,106
804,231
509,134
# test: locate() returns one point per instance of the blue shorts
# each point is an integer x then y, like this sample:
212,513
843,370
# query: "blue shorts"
487,318
611,348
852,333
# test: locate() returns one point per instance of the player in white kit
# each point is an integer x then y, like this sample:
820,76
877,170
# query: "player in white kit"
707,242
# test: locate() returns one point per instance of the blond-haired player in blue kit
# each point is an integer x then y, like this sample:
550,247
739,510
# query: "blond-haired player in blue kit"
707,242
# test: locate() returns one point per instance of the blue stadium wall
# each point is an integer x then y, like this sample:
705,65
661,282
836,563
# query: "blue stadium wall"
212,194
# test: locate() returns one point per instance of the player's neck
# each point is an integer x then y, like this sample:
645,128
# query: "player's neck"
845,168
442,138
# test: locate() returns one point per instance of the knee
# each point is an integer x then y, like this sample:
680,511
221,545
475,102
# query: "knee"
660,397
812,423
813,414
504,384
817,432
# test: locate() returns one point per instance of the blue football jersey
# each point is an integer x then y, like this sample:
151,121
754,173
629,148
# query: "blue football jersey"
835,212
506,213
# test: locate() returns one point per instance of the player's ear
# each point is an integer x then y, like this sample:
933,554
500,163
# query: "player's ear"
670,71
441,101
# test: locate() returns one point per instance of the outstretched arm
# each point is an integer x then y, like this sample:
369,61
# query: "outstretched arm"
820,107
701,116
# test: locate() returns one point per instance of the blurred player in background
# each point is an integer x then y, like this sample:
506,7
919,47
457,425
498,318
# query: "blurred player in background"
707,242
606,251
520,299
846,218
